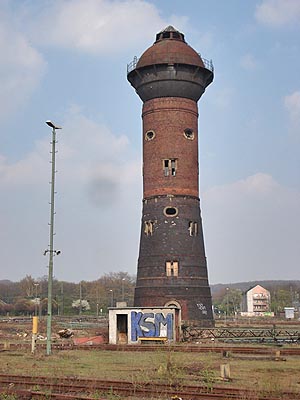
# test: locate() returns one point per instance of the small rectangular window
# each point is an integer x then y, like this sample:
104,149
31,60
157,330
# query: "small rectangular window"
173,167
193,228
166,167
148,228
172,268
170,167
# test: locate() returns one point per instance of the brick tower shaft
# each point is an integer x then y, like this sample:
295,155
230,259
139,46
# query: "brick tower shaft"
168,118
170,77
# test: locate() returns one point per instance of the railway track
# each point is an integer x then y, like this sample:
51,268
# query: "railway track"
29,387
252,350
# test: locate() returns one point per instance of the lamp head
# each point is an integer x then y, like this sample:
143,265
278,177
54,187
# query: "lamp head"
52,125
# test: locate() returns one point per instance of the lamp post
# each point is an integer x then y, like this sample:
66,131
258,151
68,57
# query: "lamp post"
51,250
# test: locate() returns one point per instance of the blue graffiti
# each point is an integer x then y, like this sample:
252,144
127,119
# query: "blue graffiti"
150,325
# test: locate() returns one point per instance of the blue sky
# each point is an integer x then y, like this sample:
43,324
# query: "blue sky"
66,61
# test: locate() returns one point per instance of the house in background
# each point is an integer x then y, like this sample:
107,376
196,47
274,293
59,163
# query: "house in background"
256,302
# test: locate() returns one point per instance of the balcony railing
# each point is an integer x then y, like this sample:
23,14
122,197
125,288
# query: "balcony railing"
131,66
208,64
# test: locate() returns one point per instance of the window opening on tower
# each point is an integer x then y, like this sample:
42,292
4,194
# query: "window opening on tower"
148,228
193,228
149,135
172,268
189,134
170,167
170,211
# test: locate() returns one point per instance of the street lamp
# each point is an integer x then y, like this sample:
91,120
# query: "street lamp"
51,251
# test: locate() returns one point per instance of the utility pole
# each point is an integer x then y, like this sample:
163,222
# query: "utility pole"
36,299
62,299
51,250
123,291
227,305
80,298
112,298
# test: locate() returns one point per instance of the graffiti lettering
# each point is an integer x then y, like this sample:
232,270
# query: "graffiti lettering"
202,308
151,325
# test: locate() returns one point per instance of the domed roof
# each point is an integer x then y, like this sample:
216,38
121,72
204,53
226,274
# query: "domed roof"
170,48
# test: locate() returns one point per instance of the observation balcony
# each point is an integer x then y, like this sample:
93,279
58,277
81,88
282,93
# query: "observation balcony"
208,64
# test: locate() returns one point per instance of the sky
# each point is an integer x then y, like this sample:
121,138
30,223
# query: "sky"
66,61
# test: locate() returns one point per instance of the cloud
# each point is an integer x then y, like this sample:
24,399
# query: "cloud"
249,62
30,170
97,186
292,105
88,153
251,230
21,67
277,13
224,97
98,26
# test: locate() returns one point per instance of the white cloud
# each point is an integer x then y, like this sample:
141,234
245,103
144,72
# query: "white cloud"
97,186
292,104
249,62
98,26
30,170
87,152
251,230
224,97
278,12
21,68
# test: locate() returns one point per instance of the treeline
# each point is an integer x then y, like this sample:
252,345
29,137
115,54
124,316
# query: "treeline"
29,295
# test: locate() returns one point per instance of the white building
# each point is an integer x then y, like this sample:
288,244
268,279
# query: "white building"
134,325
256,302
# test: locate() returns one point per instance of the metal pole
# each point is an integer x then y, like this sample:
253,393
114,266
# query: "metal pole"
123,294
51,250
80,298
227,307
62,299
35,301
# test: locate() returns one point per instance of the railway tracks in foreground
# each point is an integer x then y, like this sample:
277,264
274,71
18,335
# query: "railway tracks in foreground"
62,388
263,350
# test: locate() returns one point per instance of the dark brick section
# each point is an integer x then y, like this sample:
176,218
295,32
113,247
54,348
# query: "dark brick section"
171,240
158,81
191,300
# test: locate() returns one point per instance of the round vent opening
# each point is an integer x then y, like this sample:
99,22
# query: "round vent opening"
189,134
171,211
150,135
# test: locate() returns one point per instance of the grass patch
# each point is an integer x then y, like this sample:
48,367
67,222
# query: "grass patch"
173,368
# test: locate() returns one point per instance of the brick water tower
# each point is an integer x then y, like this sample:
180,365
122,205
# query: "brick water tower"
170,77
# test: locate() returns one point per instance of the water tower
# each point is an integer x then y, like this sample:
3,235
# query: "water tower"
170,77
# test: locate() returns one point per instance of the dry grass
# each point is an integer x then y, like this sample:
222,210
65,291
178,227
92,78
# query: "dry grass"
169,367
